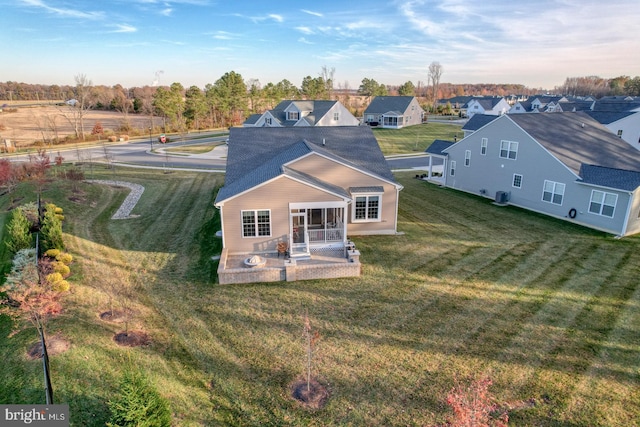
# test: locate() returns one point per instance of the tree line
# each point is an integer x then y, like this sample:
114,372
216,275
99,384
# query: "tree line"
231,98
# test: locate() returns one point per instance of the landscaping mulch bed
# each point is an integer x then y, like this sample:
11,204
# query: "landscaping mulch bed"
313,396
56,344
132,338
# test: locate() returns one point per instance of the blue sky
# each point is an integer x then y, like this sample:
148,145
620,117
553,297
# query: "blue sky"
194,42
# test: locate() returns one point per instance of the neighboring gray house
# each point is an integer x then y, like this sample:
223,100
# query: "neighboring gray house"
394,112
565,165
490,105
292,113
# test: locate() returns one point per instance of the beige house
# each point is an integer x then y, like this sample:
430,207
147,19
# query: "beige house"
307,188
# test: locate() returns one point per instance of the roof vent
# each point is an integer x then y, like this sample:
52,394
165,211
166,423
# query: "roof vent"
582,125
325,143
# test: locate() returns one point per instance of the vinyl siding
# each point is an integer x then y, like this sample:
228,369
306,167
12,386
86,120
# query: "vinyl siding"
345,177
274,196
492,173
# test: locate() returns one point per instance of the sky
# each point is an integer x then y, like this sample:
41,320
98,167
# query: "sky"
537,43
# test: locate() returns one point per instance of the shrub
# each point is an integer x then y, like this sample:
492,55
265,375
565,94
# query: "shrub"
53,253
138,403
19,272
64,258
18,232
473,405
61,286
51,229
63,269
54,277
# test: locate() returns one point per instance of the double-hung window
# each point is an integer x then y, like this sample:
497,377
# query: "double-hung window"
603,203
293,115
467,158
367,208
256,223
452,168
508,149
483,146
553,192
336,116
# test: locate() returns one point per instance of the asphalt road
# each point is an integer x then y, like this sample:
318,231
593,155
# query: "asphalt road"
144,153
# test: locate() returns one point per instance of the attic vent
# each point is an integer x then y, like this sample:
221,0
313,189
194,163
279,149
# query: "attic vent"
324,142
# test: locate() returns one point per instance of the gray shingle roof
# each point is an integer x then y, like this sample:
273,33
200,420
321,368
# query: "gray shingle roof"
576,139
438,145
477,121
257,155
612,178
384,104
318,110
616,105
606,117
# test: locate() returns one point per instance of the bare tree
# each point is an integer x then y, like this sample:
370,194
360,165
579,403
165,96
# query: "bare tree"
327,75
83,91
435,72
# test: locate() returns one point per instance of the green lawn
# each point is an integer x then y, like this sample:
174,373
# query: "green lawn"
550,311
415,139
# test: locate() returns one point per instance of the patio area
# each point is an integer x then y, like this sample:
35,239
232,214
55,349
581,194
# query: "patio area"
322,264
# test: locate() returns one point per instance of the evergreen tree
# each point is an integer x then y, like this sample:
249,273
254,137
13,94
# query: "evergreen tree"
138,404
18,232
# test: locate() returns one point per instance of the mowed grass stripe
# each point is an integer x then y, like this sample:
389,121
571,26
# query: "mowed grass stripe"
599,392
544,334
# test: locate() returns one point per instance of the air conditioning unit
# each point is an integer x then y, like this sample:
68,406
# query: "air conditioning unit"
502,197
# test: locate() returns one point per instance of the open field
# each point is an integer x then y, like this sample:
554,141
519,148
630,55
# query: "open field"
550,311
36,123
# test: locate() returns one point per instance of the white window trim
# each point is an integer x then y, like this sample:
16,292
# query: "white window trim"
483,146
602,205
452,168
467,158
513,181
367,195
509,149
553,192
255,218
336,116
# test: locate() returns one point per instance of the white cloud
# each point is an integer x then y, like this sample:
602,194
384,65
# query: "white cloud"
305,30
305,41
275,17
166,12
124,28
309,12
63,12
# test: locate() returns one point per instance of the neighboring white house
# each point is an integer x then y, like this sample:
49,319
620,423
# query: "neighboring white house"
489,105
394,112
566,165
625,124
290,113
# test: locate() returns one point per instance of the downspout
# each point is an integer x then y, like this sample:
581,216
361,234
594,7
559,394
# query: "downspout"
224,244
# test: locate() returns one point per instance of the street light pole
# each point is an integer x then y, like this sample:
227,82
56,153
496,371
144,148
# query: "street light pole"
150,140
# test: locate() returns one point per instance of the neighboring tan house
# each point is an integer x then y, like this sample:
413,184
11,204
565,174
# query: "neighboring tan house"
394,112
304,113
489,105
565,165
306,187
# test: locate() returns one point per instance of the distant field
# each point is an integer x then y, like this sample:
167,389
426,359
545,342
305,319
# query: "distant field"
549,310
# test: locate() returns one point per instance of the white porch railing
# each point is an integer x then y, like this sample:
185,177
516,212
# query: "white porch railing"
326,235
